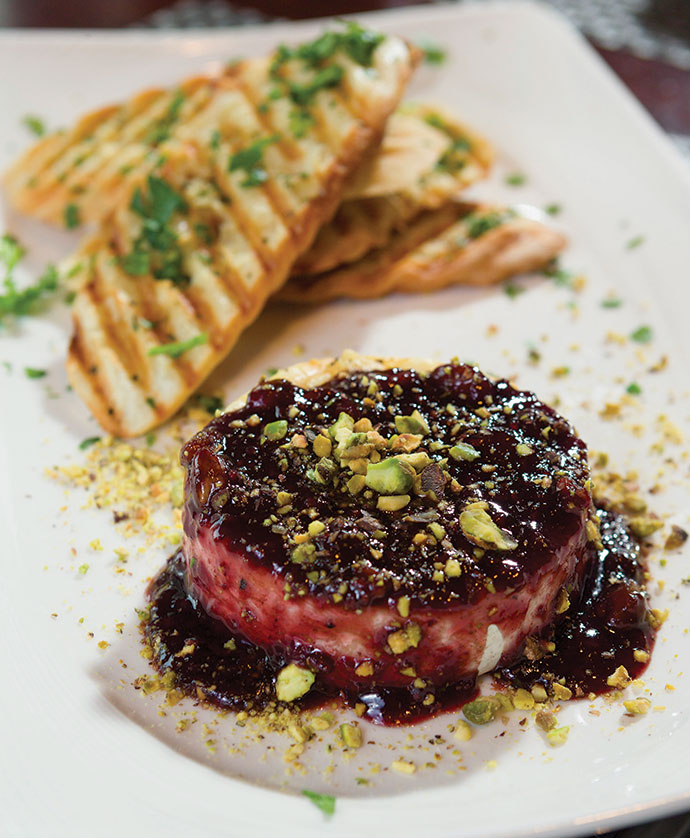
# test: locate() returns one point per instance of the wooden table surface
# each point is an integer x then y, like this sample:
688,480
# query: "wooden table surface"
663,89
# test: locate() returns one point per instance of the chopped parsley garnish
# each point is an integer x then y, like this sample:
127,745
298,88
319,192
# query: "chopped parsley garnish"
150,438
151,402
553,209
33,372
325,802
559,275
72,218
633,388
35,124
88,442
477,225
271,371
214,142
210,403
174,350
250,160
643,334
11,253
512,290
635,242
16,302
612,302
516,179
156,250
433,53
161,129
300,121
303,94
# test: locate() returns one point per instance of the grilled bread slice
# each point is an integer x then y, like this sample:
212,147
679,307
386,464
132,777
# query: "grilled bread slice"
458,244
177,272
78,176
425,159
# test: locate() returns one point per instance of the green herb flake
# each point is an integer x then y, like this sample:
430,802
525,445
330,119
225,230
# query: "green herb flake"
553,209
214,142
151,402
33,372
635,242
300,121
516,179
35,125
88,442
210,403
611,302
174,350
512,290
136,263
478,225
83,569
250,159
72,217
434,54
325,802
160,131
633,389
559,275
643,334
11,252
16,302
150,439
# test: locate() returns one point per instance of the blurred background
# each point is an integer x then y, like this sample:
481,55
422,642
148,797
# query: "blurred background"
645,42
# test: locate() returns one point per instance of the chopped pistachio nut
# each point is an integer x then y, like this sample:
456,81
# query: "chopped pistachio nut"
283,498
558,736
561,693
276,430
351,735
403,639
392,476
303,553
344,421
355,484
452,568
415,423
403,606
676,539
293,682
641,656
637,706
324,471
480,529
481,711
364,670
322,446
539,693
437,531
406,442
523,700
463,451
316,528
619,679
642,526
462,732
562,601
392,503
523,449
402,766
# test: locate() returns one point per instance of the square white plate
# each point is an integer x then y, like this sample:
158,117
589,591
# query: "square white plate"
85,754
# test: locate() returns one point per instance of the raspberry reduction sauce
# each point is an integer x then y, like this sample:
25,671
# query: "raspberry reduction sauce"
253,491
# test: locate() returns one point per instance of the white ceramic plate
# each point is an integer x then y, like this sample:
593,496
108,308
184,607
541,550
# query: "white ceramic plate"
83,753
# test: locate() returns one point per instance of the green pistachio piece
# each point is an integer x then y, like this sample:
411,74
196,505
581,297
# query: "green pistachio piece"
323,472
392,503
481,711
351,735
392,476
343,421
303,553
293,682
415,423
463,451
322,446
276,430
478,527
